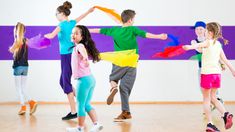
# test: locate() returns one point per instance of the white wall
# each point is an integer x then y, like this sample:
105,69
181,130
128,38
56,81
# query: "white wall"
156,80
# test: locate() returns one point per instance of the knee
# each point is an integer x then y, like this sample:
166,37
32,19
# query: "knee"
88,108
81,111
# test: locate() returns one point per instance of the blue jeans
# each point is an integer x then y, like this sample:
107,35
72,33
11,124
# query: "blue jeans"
21,71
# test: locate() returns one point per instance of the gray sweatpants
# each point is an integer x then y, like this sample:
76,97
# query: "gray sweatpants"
127,76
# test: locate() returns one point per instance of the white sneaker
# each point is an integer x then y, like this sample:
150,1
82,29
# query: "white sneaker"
96,128
74,129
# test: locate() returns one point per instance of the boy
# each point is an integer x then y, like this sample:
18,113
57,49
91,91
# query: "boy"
124,39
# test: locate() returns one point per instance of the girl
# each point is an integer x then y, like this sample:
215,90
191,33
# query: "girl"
212,52
64,30
19,50
84,47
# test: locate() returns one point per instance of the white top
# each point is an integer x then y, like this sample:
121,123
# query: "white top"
211,57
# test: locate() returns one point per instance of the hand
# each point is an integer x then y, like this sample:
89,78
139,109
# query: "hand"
193,42
91,9
163,36
47,36
233,73
186,47
223,67
86,63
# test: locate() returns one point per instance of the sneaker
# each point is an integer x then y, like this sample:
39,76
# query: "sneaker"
74,129
96,128
211,128
33,106
228,120
22,110
123,116
69,116
113,91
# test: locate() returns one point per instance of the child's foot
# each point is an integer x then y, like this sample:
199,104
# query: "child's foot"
69,116
74,129
123,116
113,91
211,128
33,106
96,128
22,110
228,120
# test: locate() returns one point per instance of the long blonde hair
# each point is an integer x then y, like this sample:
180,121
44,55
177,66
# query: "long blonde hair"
216,29
19,32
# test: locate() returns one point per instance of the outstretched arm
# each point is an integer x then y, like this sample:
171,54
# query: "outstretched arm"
94,30
226,62
162,36
196,46
85,14
53,33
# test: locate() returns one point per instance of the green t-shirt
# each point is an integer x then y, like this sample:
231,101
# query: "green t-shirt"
124,37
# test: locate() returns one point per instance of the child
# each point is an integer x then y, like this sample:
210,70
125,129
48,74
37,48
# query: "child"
64,31
212,52
200,29
124,39
20,66
84,47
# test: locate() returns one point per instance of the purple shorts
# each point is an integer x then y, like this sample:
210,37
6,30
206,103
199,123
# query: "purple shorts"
209,81
66,73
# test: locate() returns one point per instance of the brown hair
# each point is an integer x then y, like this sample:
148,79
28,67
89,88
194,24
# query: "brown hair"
127,15
216,29
65,8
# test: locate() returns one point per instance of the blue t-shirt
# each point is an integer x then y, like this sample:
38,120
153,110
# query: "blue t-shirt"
64,36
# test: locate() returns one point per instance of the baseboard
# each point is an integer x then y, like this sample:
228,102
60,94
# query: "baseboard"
140,103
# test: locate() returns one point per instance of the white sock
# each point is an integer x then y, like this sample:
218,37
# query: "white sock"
24,88
19,89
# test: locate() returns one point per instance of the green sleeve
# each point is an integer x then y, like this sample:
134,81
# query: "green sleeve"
139,32
107,31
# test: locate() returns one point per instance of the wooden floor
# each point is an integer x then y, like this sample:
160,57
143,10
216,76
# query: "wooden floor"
146,118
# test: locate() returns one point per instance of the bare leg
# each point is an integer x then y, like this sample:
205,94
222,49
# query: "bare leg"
216,102
207,103
81,121
72,102
92,114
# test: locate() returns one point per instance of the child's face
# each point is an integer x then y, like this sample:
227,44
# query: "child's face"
209,35
59,16
76,36
200,31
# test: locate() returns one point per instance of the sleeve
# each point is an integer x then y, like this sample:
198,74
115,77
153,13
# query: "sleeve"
74,22
107,31
82,50
139,32
60,26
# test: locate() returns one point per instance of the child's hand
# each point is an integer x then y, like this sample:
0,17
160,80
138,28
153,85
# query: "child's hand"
186,47
47,36
91,9
86,63
223,67
163,36
233,73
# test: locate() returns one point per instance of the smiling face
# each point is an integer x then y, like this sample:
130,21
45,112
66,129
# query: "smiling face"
200,32
76,35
